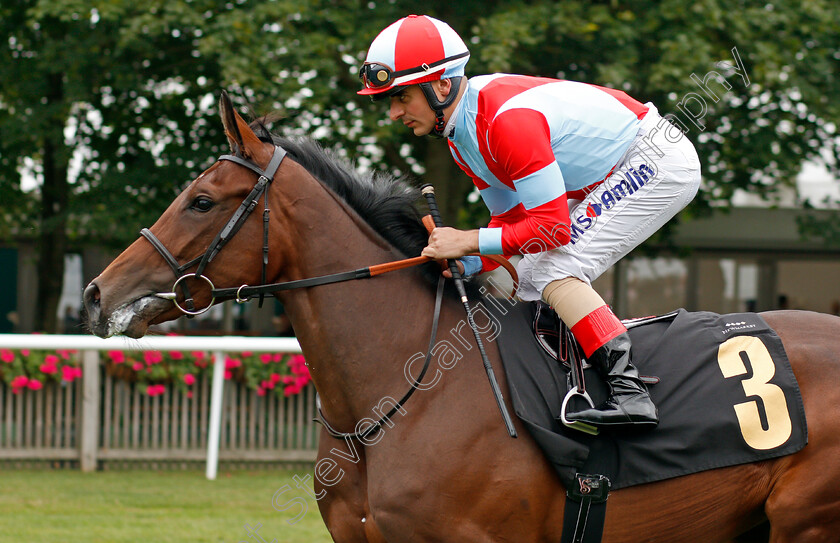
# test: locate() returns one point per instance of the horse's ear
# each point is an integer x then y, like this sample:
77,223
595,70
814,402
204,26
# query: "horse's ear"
241,138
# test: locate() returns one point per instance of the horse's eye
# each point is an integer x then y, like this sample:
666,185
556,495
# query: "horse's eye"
202,204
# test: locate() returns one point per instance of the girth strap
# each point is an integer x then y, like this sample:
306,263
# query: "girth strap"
586,508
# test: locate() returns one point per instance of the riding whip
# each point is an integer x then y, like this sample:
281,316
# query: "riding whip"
429,192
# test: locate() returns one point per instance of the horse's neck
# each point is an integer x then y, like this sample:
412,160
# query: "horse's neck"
356,335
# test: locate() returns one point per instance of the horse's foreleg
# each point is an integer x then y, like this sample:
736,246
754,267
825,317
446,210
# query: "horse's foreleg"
343,502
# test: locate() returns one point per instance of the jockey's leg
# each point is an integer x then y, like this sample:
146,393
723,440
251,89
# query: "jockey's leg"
606,344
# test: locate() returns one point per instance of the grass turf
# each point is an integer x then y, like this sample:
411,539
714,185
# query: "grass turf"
66,506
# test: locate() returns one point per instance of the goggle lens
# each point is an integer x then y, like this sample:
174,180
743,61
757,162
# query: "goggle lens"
375,75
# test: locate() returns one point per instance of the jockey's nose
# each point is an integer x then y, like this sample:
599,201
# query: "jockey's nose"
396,110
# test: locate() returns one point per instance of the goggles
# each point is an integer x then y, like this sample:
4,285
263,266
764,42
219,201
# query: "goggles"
376,75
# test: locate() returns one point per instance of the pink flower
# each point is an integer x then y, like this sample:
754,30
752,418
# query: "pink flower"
198,355
189,379
268,383
176,355
67,374
275,377
260,391
24,352
246,353
20,381
291,390
152,357
228,374
296,360
265,358
117,357
137,366
7,356
51,359
288,379
48,367
301,381
231,363
155,390
189,394
278,357
34,384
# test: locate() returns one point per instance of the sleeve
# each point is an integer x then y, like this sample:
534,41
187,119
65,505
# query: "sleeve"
541,222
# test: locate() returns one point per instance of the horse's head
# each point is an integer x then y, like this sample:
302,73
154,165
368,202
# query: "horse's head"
131,294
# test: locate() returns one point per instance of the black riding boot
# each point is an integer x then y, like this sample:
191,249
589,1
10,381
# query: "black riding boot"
629,401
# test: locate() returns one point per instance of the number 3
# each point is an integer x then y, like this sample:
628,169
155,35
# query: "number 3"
779,426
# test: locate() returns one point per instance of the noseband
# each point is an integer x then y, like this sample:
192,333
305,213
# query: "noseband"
232,227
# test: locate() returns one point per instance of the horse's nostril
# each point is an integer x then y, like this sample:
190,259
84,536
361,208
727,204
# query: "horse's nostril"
91,297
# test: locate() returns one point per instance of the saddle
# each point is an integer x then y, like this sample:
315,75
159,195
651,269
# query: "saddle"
702,362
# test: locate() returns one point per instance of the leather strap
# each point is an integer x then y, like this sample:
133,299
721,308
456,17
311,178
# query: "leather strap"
387,417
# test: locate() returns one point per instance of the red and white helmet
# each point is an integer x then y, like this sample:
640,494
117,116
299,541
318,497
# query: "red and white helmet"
415,49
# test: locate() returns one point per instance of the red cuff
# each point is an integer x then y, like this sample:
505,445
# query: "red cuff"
597,328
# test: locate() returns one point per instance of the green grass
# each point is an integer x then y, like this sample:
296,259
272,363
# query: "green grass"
67,506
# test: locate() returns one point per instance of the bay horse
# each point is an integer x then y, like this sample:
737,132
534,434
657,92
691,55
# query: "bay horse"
442,468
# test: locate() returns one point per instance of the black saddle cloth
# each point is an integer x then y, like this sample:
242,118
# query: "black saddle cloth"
723,398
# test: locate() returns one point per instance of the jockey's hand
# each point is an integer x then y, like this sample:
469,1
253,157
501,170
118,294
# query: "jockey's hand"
448,274
445,242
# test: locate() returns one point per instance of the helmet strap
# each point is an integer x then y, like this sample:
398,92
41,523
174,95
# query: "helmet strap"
438,105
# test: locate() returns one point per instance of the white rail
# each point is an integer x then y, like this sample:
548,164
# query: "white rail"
150,343
91,346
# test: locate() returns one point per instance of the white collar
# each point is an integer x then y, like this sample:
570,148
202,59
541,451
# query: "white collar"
449,128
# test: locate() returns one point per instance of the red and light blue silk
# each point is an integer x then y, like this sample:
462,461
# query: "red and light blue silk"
529,144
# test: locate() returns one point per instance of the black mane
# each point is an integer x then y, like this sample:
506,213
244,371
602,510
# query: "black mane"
387,203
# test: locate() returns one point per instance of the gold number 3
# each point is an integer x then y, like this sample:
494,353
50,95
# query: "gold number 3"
779,426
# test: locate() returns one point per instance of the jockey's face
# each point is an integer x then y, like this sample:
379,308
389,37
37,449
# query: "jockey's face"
410,106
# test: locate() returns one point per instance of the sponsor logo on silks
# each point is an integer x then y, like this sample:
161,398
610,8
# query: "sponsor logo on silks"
612,191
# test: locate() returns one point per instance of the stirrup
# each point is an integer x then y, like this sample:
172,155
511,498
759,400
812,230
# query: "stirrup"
573,424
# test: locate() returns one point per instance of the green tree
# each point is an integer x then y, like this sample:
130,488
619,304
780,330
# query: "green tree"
113,101
113,89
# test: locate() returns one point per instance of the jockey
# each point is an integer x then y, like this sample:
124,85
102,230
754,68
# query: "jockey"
574,175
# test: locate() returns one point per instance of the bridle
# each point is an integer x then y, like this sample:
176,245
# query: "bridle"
225,234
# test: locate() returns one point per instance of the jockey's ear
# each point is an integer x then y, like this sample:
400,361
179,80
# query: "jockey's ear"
242,140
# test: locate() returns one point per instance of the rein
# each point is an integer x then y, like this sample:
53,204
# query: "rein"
386,418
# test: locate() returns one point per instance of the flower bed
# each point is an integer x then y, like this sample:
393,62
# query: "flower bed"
157,371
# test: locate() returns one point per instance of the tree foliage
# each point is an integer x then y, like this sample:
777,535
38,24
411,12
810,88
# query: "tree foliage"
111,103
